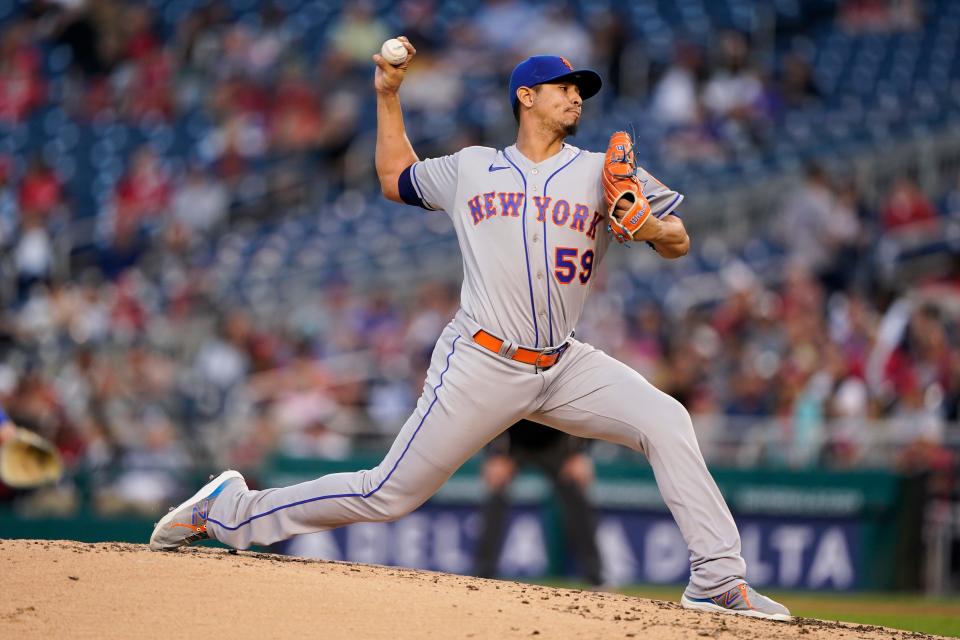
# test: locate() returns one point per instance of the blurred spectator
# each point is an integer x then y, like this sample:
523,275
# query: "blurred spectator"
151,471
358,33
142,196
913,418
140,42
40,193
805,214
618,56
239,139
148,88
558,30
340,130
199,203
906,206
314,439
32,256
921,363
419,23
222,360
852,326
297,116
645,346
434,87
749,394
676,96
697,141
129,312
864,16
197,50
301,411
506,25
75,27
734,88
845,240
269,43
797,86
22,88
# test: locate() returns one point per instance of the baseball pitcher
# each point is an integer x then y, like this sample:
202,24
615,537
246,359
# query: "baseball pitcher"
533,221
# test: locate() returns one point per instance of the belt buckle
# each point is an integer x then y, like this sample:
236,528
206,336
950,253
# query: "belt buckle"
549,352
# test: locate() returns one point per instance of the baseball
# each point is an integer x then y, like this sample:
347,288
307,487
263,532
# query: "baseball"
393,51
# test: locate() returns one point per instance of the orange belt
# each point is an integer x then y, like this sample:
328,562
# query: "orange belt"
540,359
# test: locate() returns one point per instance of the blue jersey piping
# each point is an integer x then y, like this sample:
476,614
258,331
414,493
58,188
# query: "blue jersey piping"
526,254
546,259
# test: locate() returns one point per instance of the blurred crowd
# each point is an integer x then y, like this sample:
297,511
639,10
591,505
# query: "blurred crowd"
120,348
271,107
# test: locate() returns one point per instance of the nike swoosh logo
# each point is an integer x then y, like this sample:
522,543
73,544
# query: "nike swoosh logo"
492,168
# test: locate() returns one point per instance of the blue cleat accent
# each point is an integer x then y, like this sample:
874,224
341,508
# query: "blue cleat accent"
187,523
741,600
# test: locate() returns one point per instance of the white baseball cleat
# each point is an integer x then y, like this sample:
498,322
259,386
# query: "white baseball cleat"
742,600
187,523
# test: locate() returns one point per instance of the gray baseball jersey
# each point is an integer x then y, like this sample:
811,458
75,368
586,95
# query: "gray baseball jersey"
532,235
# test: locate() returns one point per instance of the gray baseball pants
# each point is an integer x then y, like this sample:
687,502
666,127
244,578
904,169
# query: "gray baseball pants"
470,396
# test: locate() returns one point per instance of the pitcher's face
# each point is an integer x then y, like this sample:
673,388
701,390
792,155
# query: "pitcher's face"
558,105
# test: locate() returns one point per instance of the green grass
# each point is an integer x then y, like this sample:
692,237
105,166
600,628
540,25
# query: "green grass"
940,616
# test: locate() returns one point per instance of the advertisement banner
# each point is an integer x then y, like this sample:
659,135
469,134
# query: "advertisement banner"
636,547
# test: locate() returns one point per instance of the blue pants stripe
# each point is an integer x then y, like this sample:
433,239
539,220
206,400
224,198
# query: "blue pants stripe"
355,495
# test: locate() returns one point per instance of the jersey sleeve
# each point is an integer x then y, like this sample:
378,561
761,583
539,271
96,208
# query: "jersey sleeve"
431,183
663,200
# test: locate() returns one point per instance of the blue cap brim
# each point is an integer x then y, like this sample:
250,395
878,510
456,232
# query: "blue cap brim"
587,81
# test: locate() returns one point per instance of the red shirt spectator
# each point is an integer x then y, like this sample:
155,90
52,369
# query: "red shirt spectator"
40,192
151,91
237,95
21,86
141,42
297,117
142,194
128,315
906,206
20,93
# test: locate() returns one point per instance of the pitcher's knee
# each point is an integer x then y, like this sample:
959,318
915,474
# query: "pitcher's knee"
389,508
682,417
675,424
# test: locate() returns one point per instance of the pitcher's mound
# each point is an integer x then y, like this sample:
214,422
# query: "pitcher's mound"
65,589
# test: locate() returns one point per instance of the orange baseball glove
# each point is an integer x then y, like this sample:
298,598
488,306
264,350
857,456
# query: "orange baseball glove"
620,181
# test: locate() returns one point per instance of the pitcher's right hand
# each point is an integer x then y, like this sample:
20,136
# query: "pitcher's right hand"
388,78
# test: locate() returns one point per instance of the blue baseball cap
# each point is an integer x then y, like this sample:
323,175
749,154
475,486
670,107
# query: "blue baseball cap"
542,69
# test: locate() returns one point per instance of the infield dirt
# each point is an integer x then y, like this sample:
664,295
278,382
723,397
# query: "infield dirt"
65,589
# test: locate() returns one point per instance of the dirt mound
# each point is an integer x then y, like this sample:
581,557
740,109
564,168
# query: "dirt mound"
65,589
